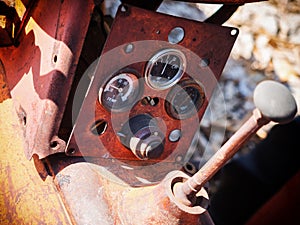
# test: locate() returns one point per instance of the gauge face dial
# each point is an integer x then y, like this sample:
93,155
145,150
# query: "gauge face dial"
120,92
185,100
165,69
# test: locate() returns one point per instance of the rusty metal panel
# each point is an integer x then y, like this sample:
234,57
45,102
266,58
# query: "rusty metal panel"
4,91
206,47
12,19
41,69
24,197
93,195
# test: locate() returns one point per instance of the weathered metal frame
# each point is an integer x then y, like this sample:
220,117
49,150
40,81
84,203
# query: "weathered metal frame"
46,59
84,143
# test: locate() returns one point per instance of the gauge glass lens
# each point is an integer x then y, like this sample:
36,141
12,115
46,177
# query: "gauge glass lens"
185,101
120,92
165,69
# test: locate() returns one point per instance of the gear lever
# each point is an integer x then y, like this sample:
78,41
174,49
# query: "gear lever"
273,102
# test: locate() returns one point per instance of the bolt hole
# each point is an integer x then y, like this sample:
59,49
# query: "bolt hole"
233,32
124,8
55,58
54,145
179,159
150,101
71,151
99,127
204,62
22,116
24,121
190,168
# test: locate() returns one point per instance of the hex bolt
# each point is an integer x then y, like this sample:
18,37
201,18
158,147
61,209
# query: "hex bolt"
273,102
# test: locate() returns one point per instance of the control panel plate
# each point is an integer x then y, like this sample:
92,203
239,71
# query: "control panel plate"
142,72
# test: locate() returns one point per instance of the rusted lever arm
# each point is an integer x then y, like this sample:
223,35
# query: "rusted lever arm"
273,102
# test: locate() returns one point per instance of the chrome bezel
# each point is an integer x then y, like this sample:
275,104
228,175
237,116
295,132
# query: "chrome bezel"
135,92
175,79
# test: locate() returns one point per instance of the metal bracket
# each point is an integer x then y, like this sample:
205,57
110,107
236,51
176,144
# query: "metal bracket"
40,70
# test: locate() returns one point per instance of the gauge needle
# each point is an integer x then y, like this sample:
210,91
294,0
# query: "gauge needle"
118,89
166,63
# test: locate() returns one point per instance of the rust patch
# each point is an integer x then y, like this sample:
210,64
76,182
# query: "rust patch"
40,70
4,90
24,197
201,41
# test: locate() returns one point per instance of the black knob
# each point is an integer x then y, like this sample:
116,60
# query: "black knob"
143,137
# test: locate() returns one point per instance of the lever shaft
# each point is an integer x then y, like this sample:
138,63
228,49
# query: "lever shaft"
196,182
275,103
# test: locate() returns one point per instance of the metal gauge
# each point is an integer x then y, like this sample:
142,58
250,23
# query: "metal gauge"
120,92
185,100
165,69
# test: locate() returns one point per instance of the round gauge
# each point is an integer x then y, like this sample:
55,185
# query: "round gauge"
120,92
185,100
165,69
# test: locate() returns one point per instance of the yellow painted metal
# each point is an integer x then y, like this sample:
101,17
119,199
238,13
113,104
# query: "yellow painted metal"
24,197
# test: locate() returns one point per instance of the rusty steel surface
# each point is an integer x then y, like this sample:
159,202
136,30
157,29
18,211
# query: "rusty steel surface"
4,91
9,23
13,16
93,195
24,197
201,41
40,70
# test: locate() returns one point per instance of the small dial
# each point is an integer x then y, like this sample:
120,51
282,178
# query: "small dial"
185,100
165,69
120,92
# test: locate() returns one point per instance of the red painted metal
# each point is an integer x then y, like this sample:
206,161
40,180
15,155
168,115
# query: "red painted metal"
94,195
201,41
102,191
41,69
14,17
4,91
